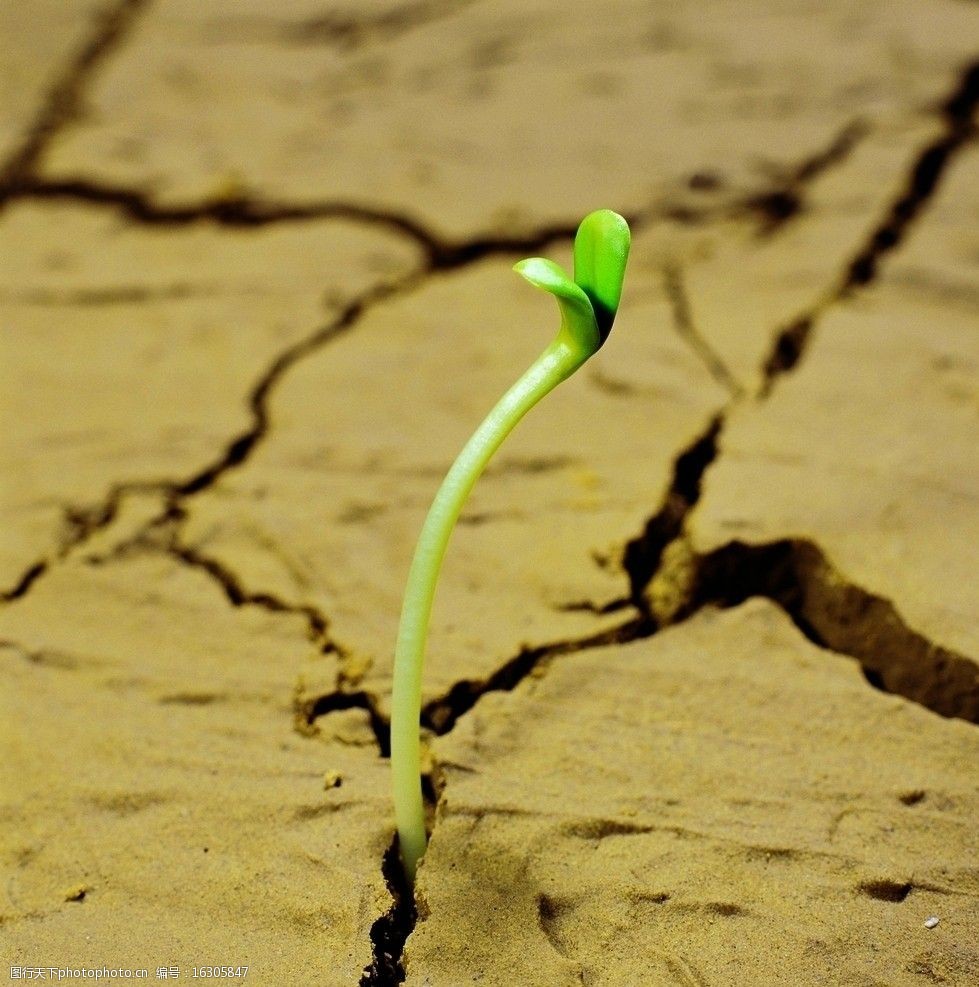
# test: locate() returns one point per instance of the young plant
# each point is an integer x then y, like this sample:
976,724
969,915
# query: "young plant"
588,305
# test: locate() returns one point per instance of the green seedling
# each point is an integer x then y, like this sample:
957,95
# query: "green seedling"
588,305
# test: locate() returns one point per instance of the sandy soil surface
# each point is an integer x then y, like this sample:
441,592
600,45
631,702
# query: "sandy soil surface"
703,681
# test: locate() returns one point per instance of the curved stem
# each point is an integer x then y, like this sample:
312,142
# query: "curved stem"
554,365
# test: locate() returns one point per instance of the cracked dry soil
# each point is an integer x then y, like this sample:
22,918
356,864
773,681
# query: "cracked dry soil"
703,686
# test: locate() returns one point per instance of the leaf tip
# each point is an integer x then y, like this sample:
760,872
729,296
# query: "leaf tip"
601,250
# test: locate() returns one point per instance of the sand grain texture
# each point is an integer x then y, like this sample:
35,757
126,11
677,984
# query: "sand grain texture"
723,803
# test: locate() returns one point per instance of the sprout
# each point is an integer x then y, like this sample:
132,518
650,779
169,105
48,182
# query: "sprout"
588,305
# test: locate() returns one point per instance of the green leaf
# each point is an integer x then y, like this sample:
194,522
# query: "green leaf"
601,249
577,315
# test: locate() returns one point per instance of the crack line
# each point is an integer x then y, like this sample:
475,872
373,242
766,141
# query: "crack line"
24,583
958,114
242,446
687,330
250,211
669,582
345,32
239,596
828,609
929,166
390,932
441,714
441,256
308,709
234,211
786,199
63,104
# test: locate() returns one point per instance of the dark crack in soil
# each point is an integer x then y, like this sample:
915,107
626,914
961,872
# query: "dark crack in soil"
249,211
669,582
442,713
25,582
242,446
81,522
308,709
390,932
643,555
64,101
785,200
833,613
685,326
958,114
343,31
239,596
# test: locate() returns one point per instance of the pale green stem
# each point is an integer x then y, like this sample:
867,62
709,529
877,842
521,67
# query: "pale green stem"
554,365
